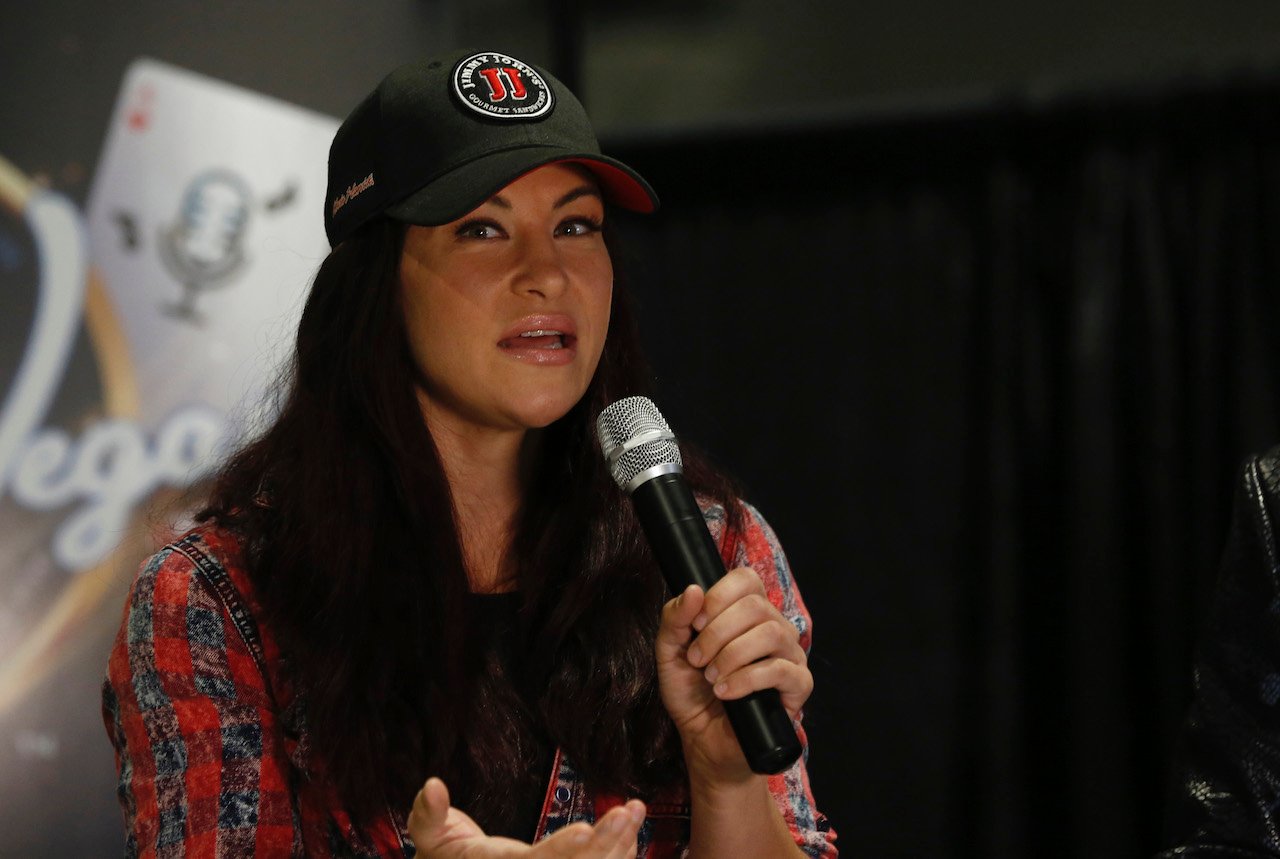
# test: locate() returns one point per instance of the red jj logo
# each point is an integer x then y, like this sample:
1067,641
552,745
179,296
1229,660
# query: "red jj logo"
499,86
498,90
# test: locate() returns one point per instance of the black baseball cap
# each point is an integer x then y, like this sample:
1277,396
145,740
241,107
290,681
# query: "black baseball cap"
437,138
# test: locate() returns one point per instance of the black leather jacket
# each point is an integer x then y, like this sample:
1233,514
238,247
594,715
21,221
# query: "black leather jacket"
1226,795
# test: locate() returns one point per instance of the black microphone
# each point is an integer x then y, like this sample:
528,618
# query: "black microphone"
645,461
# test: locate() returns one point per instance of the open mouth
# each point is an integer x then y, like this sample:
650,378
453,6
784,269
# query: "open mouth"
540,338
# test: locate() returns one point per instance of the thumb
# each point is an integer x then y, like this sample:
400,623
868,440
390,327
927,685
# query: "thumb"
430,811
677,623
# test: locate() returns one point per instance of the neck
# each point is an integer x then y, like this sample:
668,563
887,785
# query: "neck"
485,472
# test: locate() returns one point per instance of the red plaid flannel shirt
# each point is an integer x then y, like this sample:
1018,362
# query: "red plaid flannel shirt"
212,757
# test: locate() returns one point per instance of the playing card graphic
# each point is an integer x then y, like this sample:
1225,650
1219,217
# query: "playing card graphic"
183,279
205,220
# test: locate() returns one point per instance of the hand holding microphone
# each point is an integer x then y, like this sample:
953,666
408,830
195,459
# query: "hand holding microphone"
726,655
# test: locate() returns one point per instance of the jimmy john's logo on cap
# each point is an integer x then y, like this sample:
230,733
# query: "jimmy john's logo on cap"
501,87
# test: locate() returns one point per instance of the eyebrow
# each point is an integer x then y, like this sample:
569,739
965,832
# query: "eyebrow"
577,193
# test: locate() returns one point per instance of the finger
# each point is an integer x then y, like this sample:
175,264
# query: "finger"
736,584
771,640
429,812
610,837
747,613
675,629
615,834
564,844
793,682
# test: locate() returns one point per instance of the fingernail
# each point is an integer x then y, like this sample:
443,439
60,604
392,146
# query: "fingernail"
619,822
695,655
582,837
637,813
711,674
721,689
700,621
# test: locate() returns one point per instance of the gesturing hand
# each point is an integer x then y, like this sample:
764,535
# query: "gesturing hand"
440,831
743,644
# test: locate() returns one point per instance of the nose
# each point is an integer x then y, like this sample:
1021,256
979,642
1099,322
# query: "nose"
540,271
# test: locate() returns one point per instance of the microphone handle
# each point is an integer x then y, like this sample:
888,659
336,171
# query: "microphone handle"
687,555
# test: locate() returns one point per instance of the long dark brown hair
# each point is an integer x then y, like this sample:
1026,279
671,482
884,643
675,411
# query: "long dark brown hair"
351,539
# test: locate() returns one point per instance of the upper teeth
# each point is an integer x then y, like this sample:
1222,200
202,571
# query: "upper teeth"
542,332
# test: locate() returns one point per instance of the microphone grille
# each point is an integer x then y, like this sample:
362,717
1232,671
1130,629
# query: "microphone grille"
635,438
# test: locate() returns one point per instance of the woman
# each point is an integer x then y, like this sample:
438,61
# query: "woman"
422,568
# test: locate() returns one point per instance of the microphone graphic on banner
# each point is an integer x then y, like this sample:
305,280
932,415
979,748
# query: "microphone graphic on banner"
205,246
645,462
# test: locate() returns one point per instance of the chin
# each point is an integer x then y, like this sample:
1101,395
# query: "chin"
543,411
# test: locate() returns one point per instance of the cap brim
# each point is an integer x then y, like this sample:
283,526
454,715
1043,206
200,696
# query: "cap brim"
447,198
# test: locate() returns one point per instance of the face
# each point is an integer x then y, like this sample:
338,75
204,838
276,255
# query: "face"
506,308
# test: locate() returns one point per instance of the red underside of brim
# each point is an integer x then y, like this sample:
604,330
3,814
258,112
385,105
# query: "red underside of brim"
619,187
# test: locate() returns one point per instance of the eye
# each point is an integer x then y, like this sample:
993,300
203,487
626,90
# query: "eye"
583,226
479,230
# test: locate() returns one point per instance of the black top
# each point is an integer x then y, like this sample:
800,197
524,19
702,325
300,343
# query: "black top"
1227,773
495,621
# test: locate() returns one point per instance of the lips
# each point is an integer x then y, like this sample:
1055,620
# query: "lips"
540,338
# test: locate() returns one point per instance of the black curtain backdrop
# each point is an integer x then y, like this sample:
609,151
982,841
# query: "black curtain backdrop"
990,375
